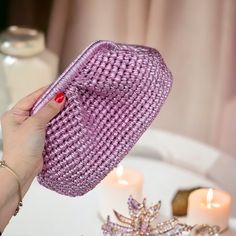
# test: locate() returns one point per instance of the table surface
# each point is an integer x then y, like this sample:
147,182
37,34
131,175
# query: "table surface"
48,213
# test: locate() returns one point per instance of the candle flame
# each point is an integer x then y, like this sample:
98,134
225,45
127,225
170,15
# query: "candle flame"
123,182
209,196
119,171
119,175
209,199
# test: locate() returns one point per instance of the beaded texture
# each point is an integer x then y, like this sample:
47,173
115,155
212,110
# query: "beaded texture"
113,92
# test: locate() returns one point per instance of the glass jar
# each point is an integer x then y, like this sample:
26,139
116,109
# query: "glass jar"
25,64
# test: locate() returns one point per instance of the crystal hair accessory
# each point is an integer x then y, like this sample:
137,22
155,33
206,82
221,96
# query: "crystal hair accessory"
113,93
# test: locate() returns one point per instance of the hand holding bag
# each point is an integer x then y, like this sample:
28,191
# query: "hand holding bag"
113,91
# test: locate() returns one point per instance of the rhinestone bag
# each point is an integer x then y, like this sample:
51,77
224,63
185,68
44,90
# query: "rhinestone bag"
113,92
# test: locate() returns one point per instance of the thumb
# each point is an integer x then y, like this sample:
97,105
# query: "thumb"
50,110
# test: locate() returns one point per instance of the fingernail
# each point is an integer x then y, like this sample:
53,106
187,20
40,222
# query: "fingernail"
59,97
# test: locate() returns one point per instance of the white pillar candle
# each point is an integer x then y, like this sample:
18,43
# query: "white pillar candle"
116,188
209,206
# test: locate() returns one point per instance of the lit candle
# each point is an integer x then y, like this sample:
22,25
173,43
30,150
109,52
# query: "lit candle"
208,206
116,189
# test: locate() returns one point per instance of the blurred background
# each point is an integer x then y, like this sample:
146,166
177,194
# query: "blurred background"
196,38
190,144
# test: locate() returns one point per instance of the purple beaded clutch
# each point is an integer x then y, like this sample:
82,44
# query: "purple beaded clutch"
113,91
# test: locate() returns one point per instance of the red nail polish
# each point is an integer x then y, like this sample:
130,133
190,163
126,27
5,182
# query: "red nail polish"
59,97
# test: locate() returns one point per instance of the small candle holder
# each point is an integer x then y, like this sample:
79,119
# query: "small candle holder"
143,220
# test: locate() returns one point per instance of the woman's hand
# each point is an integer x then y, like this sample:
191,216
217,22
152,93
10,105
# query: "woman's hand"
24,135
23,142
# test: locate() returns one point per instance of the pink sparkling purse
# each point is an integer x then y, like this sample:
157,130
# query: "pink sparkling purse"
113,91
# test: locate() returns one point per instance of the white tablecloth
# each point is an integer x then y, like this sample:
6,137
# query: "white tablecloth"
46,213
193,155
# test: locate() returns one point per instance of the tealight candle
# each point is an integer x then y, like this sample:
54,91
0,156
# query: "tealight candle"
116,189
209,206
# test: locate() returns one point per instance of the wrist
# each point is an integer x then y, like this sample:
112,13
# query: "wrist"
9,183
17,180
25,168
18,177
11,197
